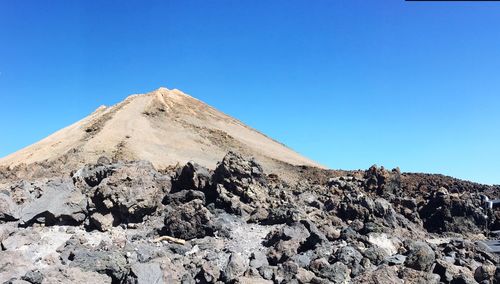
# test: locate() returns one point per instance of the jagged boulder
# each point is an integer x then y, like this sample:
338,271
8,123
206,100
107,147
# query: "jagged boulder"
92,174
236,266
383,182
133,191
183,196
334,273
234,167
188,221
191,177
285,242
239,184
460,213
351,257
450,273
111,263
420,256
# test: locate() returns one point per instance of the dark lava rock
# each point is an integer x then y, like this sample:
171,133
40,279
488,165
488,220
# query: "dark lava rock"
133,191
351,257
235,167
385,183
188,221
111,263
335,273
420,256
242,226
375,255
191,177
92,175
239,184
286,242
33,276
183,196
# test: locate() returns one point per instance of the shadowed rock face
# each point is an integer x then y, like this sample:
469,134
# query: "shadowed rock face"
239,224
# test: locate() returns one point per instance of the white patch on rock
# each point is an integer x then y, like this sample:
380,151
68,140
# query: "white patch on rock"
382,241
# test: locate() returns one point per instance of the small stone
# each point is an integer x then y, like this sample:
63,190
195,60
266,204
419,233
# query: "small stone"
102,222
484,272
258,259
396,259
146,273
266,272
330,232
304,276
236,266
33,276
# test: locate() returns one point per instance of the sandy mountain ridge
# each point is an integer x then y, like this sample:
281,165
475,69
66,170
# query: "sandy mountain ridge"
165,127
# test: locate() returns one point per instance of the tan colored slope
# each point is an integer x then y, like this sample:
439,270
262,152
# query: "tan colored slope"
166,127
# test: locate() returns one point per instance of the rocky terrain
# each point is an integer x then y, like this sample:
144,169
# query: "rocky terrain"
127,222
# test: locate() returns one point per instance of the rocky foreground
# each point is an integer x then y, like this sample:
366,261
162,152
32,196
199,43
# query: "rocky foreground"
126,222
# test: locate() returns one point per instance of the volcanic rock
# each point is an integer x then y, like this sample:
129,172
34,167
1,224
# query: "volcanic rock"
131,192
420,256
188,221
59,202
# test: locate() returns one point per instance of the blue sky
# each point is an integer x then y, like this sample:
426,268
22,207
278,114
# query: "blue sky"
348,83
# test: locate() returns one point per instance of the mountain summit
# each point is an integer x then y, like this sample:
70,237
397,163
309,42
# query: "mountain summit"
165,127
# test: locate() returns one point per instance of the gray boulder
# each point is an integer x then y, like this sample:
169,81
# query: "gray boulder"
350,257
9,210
188,221
238,184
23,237
111,263
236,266
285,242
420,256
335,273
145,273
133,191
396,259
33,277
59,203
102,222
92,175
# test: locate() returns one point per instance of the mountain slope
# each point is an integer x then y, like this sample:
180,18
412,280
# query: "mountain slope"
165,127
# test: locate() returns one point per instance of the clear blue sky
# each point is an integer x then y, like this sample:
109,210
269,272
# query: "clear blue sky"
348,83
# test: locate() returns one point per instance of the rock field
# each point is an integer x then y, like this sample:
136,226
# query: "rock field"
126,222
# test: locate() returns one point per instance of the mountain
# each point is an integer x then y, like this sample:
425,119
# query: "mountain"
165,127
